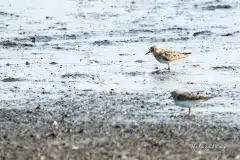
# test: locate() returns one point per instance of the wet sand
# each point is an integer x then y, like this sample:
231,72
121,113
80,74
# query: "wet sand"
75,82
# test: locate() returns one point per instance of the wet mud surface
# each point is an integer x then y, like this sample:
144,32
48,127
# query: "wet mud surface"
75,82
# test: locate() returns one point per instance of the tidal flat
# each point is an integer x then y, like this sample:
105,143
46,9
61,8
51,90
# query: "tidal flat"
75,82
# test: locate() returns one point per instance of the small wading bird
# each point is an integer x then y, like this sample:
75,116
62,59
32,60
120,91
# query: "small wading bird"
167,56
188,99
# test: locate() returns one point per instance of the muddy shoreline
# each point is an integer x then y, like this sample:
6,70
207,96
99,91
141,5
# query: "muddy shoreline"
65,129
75,82
95,140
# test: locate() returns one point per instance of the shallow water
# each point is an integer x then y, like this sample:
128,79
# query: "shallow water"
101,45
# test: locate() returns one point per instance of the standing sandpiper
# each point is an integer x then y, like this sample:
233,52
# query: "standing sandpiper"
167,56
188,99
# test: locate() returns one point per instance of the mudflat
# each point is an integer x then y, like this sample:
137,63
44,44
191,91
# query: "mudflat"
75,82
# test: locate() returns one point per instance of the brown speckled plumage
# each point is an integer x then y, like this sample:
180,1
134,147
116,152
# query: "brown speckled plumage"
188,99
166,56
187,96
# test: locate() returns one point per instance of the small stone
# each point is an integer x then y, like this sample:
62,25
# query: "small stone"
38,107
117,127
80,131
33,39
53,63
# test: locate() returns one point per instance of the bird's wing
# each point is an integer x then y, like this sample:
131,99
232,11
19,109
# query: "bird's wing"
191,96
172,55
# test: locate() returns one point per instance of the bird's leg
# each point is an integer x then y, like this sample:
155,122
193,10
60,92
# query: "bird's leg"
189,111
168,66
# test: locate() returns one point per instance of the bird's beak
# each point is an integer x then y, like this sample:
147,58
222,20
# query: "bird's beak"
147,52
170,97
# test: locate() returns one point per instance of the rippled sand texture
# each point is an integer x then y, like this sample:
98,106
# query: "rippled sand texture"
86,59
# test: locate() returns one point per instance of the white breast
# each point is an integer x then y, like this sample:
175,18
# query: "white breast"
191,103
160,59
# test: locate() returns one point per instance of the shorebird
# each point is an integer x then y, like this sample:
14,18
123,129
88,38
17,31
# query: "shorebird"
167,56
188,99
